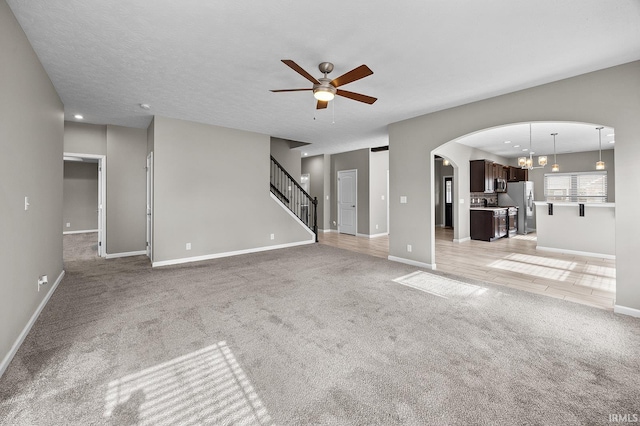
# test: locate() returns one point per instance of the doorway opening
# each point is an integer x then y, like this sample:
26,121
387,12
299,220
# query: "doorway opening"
523,257
99,203
150,206
448,201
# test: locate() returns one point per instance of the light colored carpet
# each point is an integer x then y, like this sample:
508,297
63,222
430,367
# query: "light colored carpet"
439,285
312,335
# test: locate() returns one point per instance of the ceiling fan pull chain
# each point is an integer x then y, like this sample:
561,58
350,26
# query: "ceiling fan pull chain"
333,110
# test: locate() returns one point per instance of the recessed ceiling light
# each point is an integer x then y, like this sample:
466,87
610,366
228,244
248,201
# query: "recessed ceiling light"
78,117
145,106
611,134
305,154
525,149
516,146
507,141
612,141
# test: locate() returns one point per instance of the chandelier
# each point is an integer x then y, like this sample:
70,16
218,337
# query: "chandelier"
527,163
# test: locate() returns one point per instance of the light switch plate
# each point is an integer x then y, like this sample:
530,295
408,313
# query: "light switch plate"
403,199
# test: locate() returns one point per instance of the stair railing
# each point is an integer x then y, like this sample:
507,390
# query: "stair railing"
290,193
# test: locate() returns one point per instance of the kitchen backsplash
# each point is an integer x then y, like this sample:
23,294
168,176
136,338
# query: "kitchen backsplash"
477,199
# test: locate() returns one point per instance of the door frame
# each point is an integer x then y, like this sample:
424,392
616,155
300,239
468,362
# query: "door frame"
339,198
444,201
149,210
102,196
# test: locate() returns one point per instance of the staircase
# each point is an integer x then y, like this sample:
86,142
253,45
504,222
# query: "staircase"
290,193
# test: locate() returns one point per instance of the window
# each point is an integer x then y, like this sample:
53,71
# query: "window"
577,187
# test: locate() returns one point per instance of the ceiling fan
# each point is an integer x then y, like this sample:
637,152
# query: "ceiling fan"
324,89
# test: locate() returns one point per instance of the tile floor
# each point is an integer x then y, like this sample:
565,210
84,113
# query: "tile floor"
513,262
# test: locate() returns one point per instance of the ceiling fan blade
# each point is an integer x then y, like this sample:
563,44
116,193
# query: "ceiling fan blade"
290,90
356,96
322,104
297,68
355,74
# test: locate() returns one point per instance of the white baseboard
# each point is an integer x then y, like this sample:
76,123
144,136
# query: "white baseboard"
618,309
462,240
25,331
86,231
412,262
576,252
125,254
230,253
382,234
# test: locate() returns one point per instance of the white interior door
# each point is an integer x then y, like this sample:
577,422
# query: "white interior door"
150,206
348,202
101,247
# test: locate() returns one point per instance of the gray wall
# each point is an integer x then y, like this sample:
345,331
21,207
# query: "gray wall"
607,97
576,162
326,226
83,138
314,166
211,189
358,160
80,200
287,157
31,136
126,189
126,151
378,166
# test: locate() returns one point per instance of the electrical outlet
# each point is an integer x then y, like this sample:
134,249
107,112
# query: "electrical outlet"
188,247
409,248
42,280
273,236
327,198
376,226
403,199
68,225
26,203
382,197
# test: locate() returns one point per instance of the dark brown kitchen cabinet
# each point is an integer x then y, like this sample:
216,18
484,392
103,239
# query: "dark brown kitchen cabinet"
517,174
488,225
481,174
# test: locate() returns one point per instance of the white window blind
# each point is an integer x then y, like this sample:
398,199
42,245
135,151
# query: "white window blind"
577,187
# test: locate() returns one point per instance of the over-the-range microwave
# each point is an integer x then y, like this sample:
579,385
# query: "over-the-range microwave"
500,185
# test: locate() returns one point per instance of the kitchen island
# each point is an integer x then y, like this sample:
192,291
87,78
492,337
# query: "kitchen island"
563,230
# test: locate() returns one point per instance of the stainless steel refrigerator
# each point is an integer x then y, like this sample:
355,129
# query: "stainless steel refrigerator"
522,195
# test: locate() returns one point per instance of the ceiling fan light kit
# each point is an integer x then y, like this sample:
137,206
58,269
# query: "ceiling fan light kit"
325,89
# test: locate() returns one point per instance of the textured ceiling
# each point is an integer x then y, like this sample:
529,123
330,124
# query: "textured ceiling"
215,61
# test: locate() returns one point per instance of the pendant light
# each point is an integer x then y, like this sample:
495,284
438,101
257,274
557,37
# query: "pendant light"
600,163
554,167
527,163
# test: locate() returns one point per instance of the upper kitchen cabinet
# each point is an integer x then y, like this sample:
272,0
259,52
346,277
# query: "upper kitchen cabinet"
482,175
516,174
